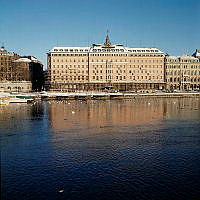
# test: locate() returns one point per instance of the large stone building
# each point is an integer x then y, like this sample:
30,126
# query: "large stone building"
19,74
105,66
7,70
182,73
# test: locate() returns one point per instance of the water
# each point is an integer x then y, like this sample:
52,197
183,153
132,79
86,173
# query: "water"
127,149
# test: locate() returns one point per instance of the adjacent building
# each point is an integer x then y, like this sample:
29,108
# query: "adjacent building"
182,73
19,74
105,66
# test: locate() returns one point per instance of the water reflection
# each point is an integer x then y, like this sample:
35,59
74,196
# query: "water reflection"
22,111
73,115
127,149
105,114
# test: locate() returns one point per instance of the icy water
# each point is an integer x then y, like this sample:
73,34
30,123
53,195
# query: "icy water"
87,150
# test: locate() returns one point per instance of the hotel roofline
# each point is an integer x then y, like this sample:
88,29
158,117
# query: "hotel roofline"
107,47
102,49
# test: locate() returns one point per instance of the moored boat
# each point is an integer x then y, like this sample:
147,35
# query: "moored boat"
19,100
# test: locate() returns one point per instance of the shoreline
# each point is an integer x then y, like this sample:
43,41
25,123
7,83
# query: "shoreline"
47,96
113,96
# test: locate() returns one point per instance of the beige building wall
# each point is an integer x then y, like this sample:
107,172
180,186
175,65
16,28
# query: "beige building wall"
182,73
104,64
126,68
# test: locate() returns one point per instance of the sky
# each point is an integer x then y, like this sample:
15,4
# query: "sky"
33,27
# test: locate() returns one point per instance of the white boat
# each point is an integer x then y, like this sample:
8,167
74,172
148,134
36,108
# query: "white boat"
19,100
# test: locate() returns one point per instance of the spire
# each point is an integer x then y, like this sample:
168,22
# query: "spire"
107,42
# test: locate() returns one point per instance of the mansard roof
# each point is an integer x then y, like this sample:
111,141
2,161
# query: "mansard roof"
23,60
95,48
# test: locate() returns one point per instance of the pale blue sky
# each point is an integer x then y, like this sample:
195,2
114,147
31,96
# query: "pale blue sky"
30,27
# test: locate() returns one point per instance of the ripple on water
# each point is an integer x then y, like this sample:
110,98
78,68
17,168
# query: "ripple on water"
140,149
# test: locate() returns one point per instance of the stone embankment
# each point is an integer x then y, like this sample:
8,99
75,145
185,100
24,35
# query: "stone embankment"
95,95
110,96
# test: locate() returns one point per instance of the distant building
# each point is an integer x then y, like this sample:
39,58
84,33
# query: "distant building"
19,74
7,70
182,73
105,66
36,73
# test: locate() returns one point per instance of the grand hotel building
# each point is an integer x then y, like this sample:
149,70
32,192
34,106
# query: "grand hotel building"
105,66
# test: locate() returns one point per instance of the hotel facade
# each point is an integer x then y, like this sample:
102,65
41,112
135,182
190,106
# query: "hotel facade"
105,66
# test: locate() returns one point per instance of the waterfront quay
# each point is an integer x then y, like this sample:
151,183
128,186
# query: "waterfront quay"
48,96
113,95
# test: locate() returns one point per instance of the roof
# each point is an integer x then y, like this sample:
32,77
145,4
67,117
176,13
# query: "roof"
28,59
4,52
34,59
102,48
172,57
188,57
197,53
23,60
